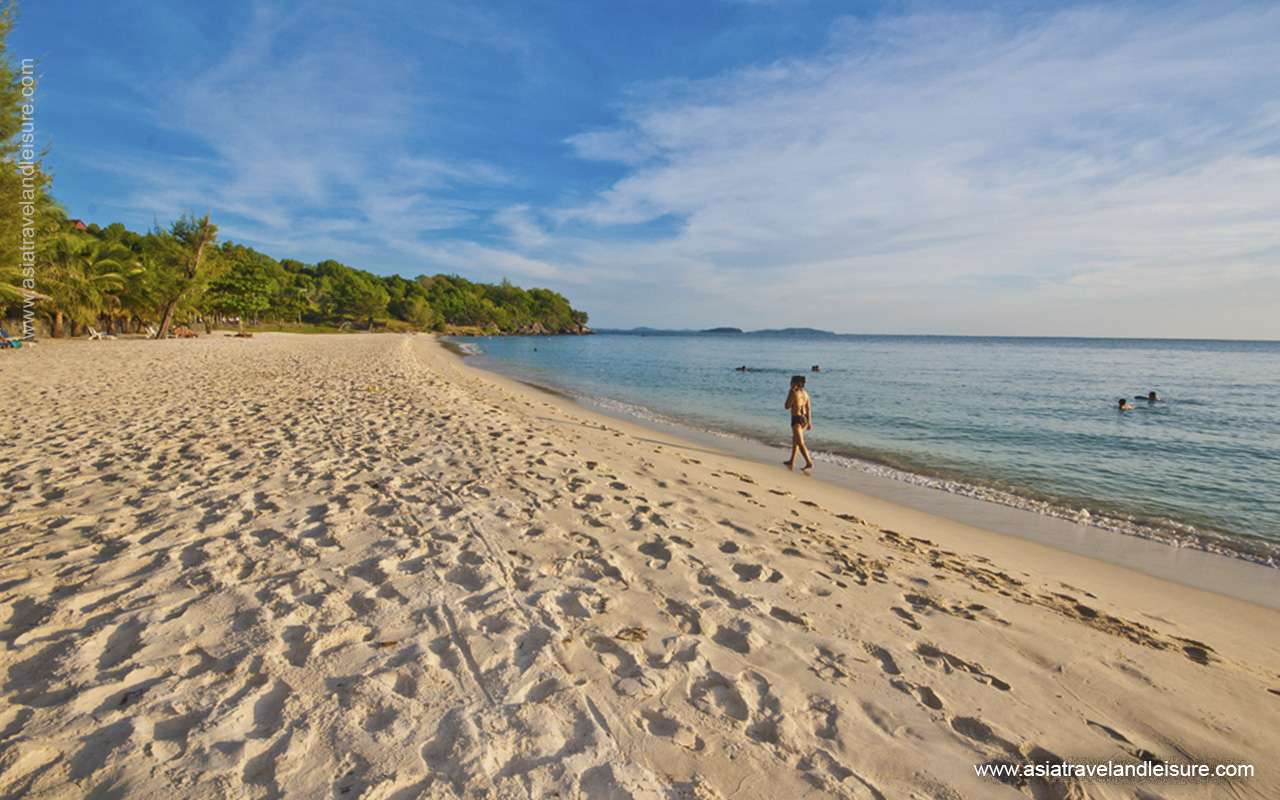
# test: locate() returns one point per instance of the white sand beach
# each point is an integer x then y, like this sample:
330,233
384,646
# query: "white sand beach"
351,566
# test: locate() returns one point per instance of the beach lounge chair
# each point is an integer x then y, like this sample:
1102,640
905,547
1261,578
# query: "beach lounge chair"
95,335
14,341
152,333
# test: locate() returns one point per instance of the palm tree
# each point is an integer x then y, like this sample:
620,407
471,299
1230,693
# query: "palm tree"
10,286
137,301
82,276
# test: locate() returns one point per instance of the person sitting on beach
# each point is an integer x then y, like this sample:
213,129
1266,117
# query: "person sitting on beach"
1124,405
801,420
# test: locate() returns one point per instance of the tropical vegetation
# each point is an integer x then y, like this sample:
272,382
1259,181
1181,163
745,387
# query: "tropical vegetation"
78,276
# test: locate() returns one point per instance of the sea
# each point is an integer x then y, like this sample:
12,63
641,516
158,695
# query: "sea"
1031,423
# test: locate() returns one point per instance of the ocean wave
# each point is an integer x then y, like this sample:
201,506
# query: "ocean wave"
1166,531
625,409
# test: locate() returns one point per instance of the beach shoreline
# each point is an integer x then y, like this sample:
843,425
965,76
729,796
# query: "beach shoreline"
354,565
960,415
1227,572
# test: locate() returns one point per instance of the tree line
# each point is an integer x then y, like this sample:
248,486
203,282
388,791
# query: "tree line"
76,276
121,281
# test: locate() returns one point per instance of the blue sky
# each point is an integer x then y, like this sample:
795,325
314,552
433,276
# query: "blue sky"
906,167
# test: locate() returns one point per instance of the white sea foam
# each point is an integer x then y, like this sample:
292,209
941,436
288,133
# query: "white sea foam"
1169,532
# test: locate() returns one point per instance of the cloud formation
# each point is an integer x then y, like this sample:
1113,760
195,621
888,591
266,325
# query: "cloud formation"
308,122
1091,171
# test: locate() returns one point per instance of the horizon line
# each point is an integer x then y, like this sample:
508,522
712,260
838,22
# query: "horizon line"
744,332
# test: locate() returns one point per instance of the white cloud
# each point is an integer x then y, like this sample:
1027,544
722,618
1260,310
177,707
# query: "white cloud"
310,125
931,172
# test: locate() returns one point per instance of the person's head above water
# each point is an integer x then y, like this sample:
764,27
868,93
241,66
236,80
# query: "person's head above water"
1124,404
797,381
1152,396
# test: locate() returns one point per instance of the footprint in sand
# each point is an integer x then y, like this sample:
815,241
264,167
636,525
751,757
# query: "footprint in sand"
658,552
632,679
687,618
979,731
736,636
297,644
830,665
121,644
824,715
767,708
924,694
753,572
666,727
937,658
465,576
405,685
1125,743
736,601
825,772
715,693
784,615
887,664
907,618
748,572
580,603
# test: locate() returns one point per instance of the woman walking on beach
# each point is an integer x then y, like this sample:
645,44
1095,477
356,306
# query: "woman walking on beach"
801,420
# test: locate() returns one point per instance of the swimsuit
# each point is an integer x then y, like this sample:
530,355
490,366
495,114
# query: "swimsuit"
796,419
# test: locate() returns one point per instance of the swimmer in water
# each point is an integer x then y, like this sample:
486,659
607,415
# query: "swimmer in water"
1152,397
1124,405
801,420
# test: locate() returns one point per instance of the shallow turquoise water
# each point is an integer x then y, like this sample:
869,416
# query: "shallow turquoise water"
1028,422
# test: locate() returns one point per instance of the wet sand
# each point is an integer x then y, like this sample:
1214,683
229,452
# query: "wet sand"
1198,569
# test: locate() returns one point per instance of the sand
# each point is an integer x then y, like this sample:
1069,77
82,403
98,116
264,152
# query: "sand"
352,566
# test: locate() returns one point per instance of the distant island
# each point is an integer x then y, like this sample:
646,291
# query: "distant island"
720,331
794,332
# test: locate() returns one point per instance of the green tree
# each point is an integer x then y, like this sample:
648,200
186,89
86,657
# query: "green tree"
418,312
182,266
244,291
357,295
83,277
